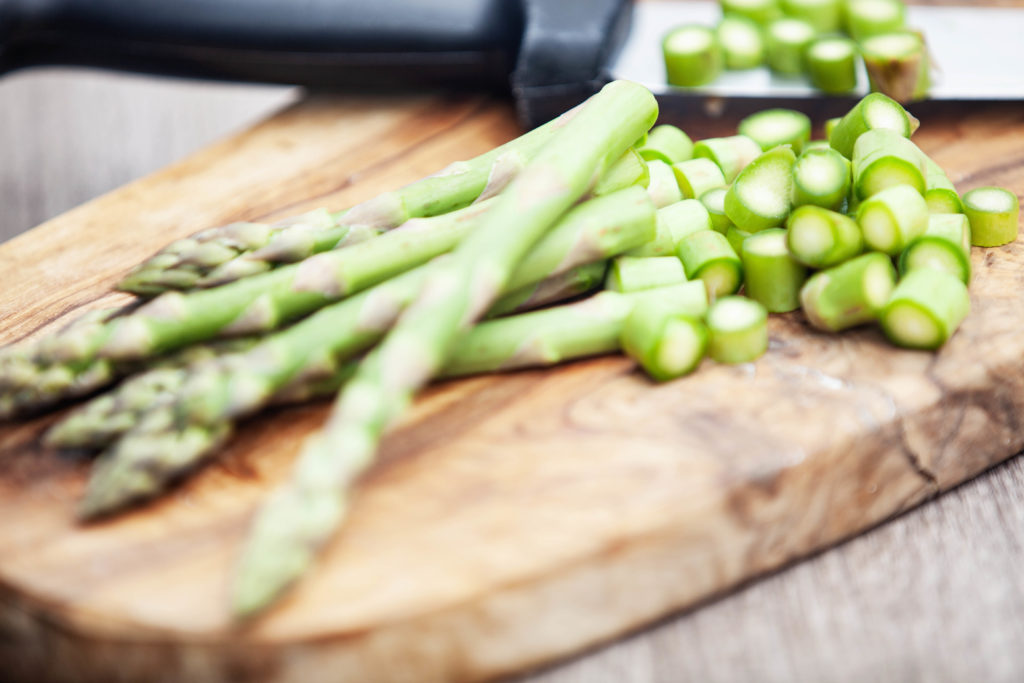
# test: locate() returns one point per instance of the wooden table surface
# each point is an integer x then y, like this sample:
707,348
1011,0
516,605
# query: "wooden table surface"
934,595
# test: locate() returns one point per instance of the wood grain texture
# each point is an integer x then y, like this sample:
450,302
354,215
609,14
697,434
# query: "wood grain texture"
570,503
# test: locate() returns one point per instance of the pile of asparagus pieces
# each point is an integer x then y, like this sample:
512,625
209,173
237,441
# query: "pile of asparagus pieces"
825,40
438,279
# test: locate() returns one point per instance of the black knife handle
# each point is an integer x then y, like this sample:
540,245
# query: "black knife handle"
557,48
326,43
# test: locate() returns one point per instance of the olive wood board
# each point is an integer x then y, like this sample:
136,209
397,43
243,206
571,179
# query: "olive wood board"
515,518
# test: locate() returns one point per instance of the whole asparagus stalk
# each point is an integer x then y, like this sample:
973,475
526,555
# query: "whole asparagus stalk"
301,515
173,437
218,255
63,365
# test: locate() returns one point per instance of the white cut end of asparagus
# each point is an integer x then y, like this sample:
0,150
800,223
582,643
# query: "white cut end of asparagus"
876,10
879,228
813,234
878,284
768,198
770,244
689,39
734,314
913,326
679,347
792,30
719,279
830,50
881,113
819,173
990,199
892,45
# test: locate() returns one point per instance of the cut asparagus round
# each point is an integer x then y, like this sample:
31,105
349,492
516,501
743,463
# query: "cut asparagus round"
666,143
736,237
697,176
692,55
674,222
865,18
820,238
821,177
662,186
737,330
897,65
785,42
714,201
883,158
873,111
925,309
831,64
849,294
731,154
666,343
759,11
774,127
994,214
633,274
890,219
944,246
824,15
741,41
708,256
761,196
941,194
771,275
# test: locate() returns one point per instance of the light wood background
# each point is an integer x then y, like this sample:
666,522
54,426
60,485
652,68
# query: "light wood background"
935,595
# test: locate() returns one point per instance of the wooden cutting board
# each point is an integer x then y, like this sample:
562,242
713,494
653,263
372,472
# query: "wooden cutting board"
515,518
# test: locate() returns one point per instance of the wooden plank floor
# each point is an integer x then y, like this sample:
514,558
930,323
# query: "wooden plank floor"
934,595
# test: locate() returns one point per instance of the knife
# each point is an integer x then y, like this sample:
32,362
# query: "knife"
551,54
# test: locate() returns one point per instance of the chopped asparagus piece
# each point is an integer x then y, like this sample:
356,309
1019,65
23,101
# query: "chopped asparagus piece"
667,344
820,238
697,176
586,328
738,330
849,294
785,42
831,63
945,245
890,219
865,18
941,194
692,55
663,187
821,177
994,214
883,158
897,65
731,154
708,256
761,196
873,111
824,15
925,309
771,275
760,12
830,125
674,222
667,143
714,201
774,127
741,41
633,274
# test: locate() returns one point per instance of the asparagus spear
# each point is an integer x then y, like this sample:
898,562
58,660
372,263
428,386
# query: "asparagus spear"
220,255
300,516
634,273
556,288
175,437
